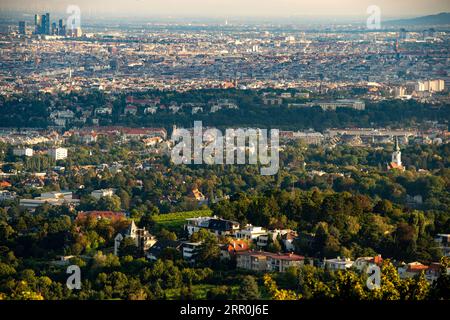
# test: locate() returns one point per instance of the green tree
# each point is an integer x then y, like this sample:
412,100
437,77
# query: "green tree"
249,289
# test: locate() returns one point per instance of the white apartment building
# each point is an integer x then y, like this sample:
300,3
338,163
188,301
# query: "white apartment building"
430,86
58,153
20,152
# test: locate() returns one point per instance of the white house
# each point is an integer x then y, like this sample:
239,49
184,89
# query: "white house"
338,263
97,194
250,232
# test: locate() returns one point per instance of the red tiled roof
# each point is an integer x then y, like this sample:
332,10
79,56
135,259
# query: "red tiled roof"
394,165
5,184
417,268
236,246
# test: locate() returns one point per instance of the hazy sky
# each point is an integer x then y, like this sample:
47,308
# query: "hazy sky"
215,8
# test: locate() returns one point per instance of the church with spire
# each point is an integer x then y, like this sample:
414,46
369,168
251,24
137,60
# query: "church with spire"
396,162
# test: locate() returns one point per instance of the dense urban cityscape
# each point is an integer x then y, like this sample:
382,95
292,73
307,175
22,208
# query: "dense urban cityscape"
91,119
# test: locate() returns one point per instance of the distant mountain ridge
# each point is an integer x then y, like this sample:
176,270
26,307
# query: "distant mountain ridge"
435,19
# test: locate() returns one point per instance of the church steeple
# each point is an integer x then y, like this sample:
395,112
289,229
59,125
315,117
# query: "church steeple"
397,147
396,162
397,154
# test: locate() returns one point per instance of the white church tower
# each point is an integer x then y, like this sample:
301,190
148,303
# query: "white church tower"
397,154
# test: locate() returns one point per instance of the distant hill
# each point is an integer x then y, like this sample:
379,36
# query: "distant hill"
436,19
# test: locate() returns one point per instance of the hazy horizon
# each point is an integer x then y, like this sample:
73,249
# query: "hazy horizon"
230,8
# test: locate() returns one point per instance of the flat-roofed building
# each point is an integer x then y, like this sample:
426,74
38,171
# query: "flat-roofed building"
20,152
58,153
97,194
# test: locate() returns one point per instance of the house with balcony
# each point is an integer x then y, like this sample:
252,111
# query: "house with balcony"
252,260
189,250
281,262
261,261
337,264
220,227
251,233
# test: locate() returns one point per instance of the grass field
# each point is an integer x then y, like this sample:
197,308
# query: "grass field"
174,221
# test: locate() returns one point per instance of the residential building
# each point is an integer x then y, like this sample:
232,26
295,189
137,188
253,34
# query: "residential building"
337,263
430,86
189,250
97,194
7,195
229,250
344,103
20,152
261,261
273,101
411,269
220,227
281,262
250,233
252,260
160,246
58,153
443,242
362,263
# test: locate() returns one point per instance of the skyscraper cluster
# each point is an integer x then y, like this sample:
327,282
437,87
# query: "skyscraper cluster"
43,25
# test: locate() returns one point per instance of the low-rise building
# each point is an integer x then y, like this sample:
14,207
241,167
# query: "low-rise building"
190,250
250,233
97,194
362,263
220,227
229,250
54,198
337,263
155,252
443,242
252,260
261,261
281,262
7,195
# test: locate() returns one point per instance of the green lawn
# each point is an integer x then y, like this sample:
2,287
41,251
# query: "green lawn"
174,221
199,291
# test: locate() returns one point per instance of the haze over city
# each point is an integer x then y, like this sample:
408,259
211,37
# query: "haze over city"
232,8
